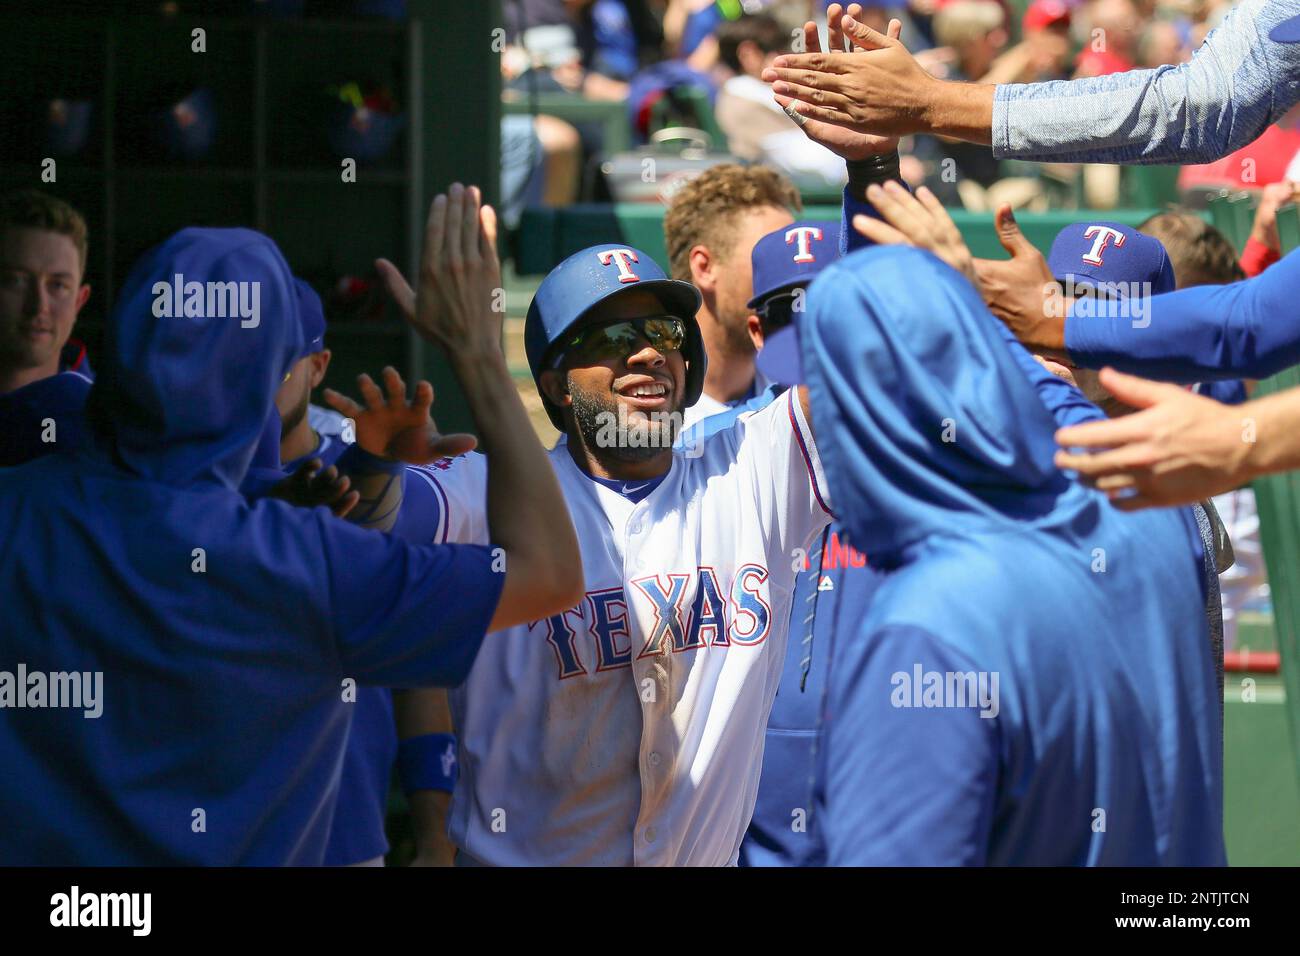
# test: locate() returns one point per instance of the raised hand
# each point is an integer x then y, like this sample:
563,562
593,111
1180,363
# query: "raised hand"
399,290
919,221
1021,290
1180,449
1272,198
458,298
878,90
395,428
849,142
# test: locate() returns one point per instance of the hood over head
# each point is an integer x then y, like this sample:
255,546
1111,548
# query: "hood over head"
204,330
924,421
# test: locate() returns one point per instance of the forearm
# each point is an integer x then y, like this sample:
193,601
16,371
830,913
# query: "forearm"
877,170
527,514
1224,98
961,111
1276,421
1066,403
418,713
1243,330
379,482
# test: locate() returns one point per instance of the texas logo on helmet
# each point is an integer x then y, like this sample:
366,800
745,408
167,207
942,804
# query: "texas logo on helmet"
621,257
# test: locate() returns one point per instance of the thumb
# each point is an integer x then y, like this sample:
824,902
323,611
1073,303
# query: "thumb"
1009,234
488,232
865,37
1134,391
397,286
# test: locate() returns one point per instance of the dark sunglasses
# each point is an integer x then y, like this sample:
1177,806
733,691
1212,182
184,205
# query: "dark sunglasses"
776,312
664,333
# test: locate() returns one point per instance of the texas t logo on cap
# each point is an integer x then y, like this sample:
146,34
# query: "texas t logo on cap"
622,257
1101,237
803,235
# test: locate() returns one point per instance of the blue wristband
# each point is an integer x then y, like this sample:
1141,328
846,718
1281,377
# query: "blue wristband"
357,461
428,762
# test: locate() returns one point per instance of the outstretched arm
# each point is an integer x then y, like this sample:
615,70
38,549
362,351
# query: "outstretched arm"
453,307
1181,448
922,221
1238,83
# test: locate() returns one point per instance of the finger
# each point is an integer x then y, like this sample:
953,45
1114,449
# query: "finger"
471,248
826,64
306,472
1137,392
452,249
812,40
320,483
1125,459
449,446
893,31
341,403
864,36
488,232
1105,434
823,114
944,228
834,35
395,387
902,211
370,393
881,233
1116,482
1009,234
810,94
435,233
344,505
423,398
398,288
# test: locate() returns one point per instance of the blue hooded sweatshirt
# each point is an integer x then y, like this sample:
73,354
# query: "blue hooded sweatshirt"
1032,682
217,641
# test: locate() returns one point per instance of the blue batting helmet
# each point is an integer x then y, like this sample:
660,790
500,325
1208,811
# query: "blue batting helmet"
587,278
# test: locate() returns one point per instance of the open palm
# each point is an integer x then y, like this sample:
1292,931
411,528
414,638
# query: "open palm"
396,428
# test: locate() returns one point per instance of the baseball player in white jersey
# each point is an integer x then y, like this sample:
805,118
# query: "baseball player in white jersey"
629,730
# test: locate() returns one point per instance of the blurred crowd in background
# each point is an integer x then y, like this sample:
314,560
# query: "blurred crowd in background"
686,75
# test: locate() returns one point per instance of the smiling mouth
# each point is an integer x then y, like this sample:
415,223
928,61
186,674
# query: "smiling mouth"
650,390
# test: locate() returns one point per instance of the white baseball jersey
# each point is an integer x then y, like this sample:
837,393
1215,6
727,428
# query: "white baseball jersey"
707,407
629,730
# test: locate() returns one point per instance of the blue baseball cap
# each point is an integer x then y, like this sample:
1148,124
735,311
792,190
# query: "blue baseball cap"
791,257
1288,31
312,315
1107,254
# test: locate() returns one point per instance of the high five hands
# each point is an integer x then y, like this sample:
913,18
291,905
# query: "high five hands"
849,141
879,90
1179,448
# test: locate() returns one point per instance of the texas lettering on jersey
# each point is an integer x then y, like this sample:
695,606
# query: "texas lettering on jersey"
629,729
597,630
